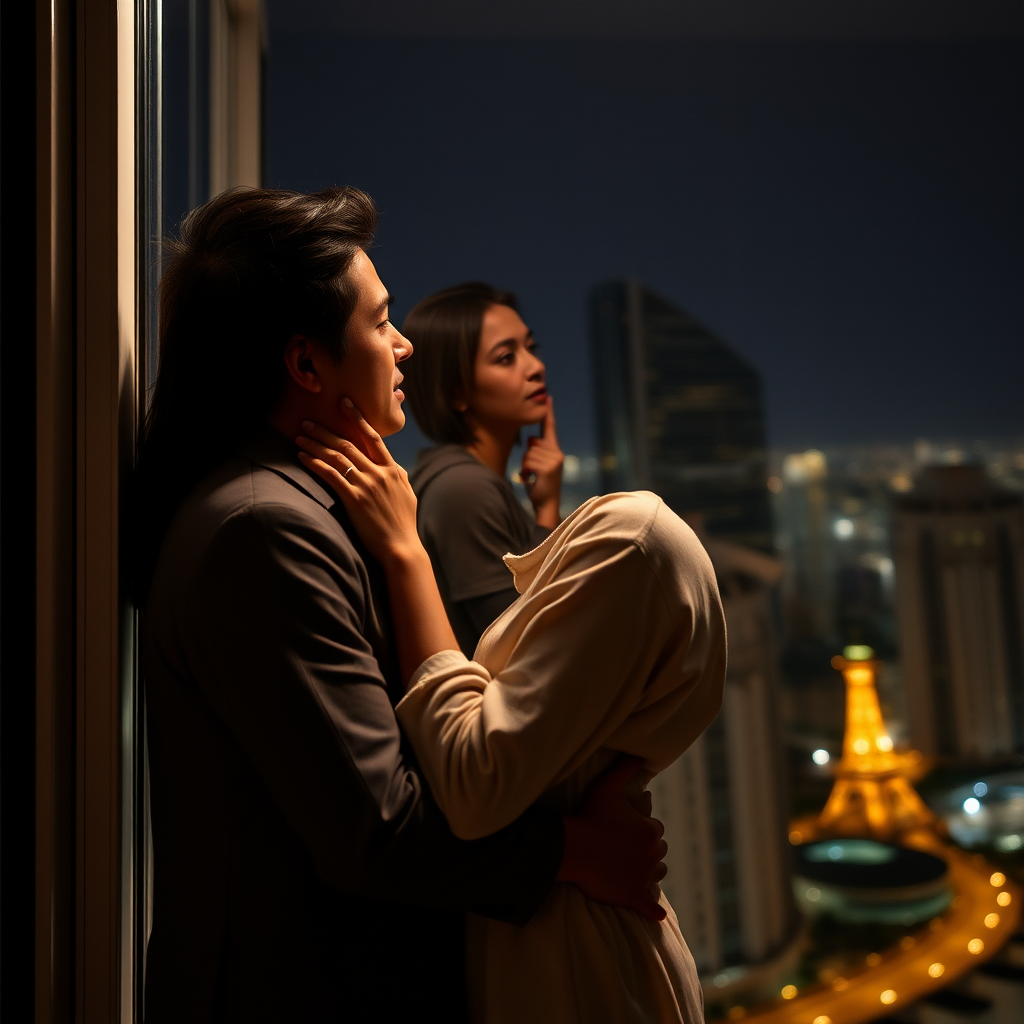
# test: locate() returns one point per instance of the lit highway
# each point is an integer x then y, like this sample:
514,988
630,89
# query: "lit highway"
985,912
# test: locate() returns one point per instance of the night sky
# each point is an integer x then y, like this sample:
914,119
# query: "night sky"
847,213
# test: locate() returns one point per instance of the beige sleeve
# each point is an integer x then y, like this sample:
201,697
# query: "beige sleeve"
490,747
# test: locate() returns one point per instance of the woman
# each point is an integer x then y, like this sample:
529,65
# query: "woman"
616,645
473,383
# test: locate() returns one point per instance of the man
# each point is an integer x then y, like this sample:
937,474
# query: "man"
302,870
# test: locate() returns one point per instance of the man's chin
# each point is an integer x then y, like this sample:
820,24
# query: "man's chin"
395,424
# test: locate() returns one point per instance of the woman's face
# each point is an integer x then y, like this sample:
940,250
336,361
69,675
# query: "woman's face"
508,379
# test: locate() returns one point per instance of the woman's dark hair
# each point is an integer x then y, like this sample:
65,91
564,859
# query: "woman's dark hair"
445,332
252,268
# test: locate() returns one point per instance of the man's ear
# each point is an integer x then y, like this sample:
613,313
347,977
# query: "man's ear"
301,357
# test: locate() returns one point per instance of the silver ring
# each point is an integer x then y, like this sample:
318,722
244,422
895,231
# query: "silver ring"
344,476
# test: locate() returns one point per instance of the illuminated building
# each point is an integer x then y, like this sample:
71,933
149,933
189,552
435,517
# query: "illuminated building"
808,587
723,801
679,413
959,553
874,804
872,796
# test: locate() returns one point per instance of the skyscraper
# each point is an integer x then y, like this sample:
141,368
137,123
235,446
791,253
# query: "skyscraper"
959,553
679,413
723,801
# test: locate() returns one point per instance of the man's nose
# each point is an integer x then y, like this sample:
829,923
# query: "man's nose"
403,348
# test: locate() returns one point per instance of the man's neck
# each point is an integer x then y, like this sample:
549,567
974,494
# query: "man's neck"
288,416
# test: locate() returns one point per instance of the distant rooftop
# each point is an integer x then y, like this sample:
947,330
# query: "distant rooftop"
963,486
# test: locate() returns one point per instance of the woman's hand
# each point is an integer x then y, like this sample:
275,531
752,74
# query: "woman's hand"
373,488
376,494
542,471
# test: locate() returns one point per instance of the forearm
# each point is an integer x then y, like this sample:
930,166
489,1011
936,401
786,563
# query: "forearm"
417,611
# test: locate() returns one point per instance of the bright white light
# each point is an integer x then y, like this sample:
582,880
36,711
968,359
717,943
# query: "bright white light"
980,789
884,743
820,756
843,528
972,806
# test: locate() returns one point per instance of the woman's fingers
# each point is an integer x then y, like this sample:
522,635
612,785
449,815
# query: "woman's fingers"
331,475
326,437
547,427
371,442
346,454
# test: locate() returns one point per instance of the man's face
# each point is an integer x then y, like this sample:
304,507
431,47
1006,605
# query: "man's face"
369,372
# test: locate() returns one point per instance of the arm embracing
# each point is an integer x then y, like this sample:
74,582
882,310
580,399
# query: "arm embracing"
583,649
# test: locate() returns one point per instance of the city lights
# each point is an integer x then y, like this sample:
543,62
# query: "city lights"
980,789
1003,899
843,528
820,756
888,996
975,946
789,992
991,920
972,805
998,879
936,970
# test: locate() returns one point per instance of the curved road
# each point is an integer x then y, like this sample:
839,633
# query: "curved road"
985,912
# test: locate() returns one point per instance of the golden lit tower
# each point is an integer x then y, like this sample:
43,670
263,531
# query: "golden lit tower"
872,795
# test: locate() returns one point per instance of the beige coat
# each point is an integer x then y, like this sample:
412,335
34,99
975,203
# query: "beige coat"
616,644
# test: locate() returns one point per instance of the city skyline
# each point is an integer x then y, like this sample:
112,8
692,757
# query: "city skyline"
846,213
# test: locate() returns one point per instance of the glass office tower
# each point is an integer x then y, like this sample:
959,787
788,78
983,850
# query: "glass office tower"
679,413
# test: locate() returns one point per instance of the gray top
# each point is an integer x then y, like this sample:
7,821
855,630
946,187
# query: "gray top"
469,517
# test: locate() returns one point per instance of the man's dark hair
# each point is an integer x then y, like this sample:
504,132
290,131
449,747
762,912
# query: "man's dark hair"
445,331
253,267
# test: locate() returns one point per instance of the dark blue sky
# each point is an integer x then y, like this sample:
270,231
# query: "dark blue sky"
849,215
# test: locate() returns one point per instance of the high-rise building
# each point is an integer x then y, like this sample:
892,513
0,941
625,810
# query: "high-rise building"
723,801
959,551
808,587
679,413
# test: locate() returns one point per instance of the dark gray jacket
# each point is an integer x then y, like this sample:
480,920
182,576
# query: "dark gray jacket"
302,870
